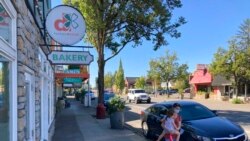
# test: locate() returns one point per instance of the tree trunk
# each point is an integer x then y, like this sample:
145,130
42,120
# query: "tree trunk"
101,66
245,97
155,83
168,89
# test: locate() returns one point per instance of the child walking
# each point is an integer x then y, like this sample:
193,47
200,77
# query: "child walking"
169,126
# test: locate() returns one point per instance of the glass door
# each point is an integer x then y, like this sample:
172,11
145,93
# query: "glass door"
29,108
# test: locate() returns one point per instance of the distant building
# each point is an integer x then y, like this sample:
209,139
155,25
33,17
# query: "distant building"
130,82
222,86
201,79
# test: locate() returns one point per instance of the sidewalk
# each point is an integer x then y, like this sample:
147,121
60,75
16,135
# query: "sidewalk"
78,123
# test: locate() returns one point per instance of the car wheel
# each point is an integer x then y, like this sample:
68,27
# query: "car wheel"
136,101
128,100
149,101
145,130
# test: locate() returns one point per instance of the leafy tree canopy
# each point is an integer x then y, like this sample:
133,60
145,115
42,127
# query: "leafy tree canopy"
119,78
108,80
140,83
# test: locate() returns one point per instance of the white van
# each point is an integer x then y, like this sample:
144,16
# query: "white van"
138,95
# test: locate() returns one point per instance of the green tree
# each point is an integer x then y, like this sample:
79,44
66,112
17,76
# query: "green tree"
153,75
182,79
229,63
243,38
233,62
140,82
119,78
168,68
113,24
108,80
243,35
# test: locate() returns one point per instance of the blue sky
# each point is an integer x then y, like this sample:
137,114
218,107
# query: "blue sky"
210,24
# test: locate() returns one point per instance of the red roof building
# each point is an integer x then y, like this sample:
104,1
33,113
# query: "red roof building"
201,79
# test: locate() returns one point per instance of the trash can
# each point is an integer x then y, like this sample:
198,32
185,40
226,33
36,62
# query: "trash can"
206,95
87,100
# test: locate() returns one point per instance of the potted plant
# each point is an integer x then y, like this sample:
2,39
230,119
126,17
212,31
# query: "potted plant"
116,108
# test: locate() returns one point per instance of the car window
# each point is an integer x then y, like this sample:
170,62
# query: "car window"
195,112
157,110
139,91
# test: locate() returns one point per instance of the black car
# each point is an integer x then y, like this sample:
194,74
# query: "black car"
170,91
198,123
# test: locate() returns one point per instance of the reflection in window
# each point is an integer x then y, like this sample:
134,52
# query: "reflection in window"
5,24
4,99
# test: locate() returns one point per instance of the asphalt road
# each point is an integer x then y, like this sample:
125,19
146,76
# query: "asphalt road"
238,113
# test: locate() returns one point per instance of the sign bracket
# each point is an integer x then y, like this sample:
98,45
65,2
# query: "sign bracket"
66,46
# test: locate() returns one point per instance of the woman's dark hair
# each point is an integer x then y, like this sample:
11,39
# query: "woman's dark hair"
176,105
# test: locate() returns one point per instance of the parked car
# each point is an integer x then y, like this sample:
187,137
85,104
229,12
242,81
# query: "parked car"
198,123
170,91
187,90
107,97
138,95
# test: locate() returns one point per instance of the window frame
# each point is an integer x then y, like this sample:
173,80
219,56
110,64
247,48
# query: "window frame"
13,15
9,51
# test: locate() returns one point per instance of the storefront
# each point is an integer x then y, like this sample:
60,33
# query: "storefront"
201,79
8,72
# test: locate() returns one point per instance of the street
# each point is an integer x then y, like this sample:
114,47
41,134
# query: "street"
238,113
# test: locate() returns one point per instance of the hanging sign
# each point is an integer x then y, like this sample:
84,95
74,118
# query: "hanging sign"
70,57
65,25
72,80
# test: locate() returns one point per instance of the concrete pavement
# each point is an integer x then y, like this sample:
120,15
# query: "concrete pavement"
78,123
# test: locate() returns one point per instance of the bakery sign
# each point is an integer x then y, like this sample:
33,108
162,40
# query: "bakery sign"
65,25
70,57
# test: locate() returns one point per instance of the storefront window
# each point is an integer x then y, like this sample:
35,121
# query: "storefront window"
4,99
5,24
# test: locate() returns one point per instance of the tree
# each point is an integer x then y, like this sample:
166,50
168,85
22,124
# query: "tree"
229,63
168,68
182,80
140,83
119,78
243,35
153,75
113,24
243,38
234,61
108,80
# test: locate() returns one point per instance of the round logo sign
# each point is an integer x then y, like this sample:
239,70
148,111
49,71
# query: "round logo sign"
65,25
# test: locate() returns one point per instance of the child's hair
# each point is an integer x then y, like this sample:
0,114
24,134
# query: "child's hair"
170,112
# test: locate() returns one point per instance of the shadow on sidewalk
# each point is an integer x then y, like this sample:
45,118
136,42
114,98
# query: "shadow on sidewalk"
66,127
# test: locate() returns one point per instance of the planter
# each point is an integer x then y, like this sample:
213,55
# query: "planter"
117,120
225,98
206,95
